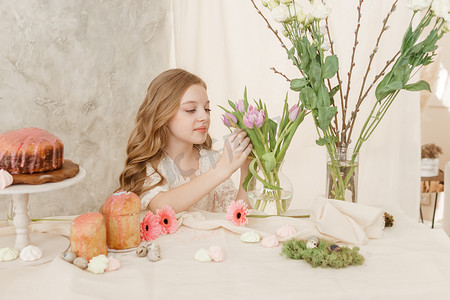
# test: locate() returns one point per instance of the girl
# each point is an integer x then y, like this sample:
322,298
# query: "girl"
169,157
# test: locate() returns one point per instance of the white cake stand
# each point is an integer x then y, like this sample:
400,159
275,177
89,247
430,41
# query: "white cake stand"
21,195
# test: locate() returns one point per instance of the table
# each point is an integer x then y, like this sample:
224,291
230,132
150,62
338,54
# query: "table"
49,243
432,185
411,261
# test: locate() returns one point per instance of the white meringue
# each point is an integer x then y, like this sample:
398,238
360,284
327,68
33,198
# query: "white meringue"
113,264
30,253
6,179
98,264
286,231
250,237
216,253
202,256
270,241
7,254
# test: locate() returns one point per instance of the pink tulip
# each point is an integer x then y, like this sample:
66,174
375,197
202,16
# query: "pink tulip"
229,120
294,112
253,117
240,106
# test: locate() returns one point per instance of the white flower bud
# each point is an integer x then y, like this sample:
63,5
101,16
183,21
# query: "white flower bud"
325,45
285,2
301,17
446,26
272,4
264,3
441,9
280,14
418,4
320,11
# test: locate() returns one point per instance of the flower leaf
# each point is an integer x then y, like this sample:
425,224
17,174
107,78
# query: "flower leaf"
269,161
323,97
334,91
308,98
388,89
330,67
297,84
231,104
325,116
418,86
253,170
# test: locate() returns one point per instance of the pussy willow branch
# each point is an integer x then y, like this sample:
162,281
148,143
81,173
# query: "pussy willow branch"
352,64
278,72
270,27
371,85
361,97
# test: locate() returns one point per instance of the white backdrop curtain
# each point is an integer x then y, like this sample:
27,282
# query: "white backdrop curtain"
228,44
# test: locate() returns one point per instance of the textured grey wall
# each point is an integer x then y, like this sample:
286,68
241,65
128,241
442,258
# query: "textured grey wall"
79,69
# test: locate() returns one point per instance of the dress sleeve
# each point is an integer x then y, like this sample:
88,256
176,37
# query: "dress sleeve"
224,194
152,178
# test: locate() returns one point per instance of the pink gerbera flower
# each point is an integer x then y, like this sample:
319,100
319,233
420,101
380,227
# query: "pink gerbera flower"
150,228
167,220
237,212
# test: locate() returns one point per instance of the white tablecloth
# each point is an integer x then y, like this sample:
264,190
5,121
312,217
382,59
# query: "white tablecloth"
411,261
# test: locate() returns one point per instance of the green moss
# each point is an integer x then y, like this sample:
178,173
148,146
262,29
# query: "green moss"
320,256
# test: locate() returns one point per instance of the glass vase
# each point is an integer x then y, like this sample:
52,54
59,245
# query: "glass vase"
273,195
342,175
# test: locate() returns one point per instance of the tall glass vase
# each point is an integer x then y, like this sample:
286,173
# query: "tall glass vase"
274,199
342,175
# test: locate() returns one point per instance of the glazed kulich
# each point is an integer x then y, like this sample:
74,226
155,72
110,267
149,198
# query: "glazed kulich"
121,211
88,235
30,150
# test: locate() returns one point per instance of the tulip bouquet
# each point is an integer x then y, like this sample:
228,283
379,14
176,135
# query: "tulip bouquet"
270,142
322,89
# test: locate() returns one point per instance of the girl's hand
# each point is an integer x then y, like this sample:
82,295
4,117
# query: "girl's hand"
236,149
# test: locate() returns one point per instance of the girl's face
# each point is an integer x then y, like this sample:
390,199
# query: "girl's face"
190,123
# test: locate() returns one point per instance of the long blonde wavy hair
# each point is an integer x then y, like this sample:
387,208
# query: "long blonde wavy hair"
150,134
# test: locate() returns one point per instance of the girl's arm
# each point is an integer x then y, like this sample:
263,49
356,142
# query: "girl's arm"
236,150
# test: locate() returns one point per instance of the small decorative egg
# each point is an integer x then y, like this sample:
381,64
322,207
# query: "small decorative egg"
153,255
154,246
141,251
69,256
81,262
334,248
312,242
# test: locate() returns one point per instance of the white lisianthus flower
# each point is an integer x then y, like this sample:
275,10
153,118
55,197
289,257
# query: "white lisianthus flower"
294,9
320,11
441,9
273,4
301,17
416,5
280,14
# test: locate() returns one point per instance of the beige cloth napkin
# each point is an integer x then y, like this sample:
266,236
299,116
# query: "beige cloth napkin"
348,222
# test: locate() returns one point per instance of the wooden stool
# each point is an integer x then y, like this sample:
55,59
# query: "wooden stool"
432,185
